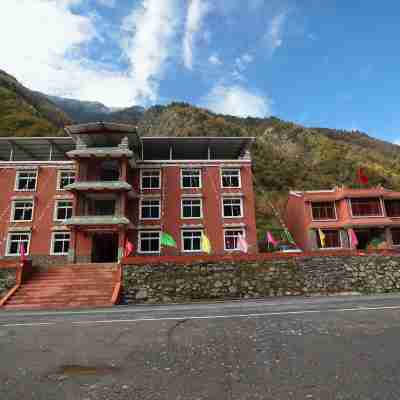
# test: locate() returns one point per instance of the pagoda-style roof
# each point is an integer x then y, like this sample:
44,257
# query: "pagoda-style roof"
100,152
99,186
95,127
105,220
103,134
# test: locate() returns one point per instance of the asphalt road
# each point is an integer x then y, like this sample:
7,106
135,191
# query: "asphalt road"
315,348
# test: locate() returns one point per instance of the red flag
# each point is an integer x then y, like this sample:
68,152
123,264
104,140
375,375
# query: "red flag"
128,248
362,178
22,252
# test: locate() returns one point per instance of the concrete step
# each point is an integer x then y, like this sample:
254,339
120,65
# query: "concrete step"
61,300
51,306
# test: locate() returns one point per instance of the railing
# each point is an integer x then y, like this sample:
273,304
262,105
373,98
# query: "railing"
24,270
118,285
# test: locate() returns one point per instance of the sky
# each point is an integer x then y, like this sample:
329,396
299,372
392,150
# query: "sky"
328,63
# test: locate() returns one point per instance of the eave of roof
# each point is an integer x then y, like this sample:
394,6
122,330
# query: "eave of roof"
96,127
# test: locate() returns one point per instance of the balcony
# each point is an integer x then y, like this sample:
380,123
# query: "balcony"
99,186
98,220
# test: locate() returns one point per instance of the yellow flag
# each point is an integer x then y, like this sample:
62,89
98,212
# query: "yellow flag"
205,244
322,237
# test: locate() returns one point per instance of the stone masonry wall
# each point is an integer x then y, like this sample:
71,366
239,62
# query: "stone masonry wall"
7,280
164,283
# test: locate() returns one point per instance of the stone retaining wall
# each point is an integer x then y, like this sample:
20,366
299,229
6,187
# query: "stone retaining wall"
163,283
7,280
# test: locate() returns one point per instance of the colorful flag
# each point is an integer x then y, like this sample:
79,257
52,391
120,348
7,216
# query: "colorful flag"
242,244
289,237
22,251
353,238
167,240
128,248
322,237
271,239
205,244
362,178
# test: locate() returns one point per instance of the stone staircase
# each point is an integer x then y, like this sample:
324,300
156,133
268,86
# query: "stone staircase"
80,285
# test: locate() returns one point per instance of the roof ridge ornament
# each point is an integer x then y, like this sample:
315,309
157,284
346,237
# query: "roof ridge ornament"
124,143
80,144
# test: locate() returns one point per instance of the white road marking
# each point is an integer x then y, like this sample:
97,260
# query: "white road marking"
201,317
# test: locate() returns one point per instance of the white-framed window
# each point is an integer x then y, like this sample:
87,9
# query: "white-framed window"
65,178
190,178
22,210
150,179
63,210
191,241
26,181
149,242
150,209
191,208
14,241
60,242
231,237
232,207
230,178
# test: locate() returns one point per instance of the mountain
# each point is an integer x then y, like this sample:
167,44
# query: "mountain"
24,112
88,111
286,155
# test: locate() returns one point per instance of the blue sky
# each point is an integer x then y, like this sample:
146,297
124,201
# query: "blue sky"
317,62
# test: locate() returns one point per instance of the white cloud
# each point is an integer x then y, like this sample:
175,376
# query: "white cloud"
46,50
273,36
150,31
197,10
237,100
214,60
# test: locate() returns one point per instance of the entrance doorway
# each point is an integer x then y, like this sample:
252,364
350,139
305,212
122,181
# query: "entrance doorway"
105,248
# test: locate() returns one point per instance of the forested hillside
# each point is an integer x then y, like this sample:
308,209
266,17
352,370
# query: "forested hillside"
286,155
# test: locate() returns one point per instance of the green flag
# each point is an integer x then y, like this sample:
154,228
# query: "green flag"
289,237
167,240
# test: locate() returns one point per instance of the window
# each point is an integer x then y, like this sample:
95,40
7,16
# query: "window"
367,207
101,207
26,181
323,211
63,210
109,171
65,178
396,236
230,178
332,239
392,208
191,208
14,243
149,242
233,208
231,237
60,243
150,209
191,241
150,179
22,210
191,178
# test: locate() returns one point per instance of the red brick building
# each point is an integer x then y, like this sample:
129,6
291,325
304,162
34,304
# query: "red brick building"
373,214
79,198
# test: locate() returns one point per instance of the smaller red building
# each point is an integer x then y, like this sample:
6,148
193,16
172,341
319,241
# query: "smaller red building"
373,214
